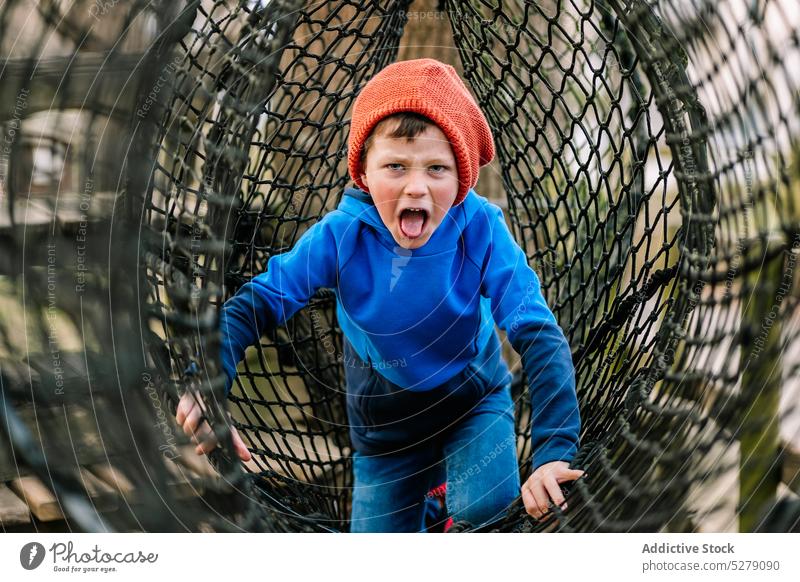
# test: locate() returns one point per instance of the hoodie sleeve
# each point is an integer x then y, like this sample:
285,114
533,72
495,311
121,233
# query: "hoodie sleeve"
272,297
519,308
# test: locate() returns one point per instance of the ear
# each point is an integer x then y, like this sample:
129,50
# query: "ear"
364,180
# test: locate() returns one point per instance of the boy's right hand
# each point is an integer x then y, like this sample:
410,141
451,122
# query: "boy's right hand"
190,415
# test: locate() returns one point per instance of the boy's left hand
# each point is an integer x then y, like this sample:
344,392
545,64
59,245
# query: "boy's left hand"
543,486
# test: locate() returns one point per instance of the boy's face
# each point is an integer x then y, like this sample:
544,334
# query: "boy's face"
413,183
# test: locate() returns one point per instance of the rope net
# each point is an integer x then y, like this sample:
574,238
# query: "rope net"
647,164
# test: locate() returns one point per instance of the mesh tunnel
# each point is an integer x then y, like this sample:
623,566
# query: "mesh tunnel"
647,163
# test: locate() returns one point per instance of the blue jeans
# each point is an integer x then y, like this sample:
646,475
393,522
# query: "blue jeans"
462,432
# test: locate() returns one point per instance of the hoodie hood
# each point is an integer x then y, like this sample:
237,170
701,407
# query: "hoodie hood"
359,204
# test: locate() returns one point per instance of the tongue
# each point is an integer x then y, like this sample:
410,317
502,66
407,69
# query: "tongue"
411,222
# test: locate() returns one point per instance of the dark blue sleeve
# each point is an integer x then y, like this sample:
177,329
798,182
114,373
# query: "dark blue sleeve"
243,319
519,308
272,297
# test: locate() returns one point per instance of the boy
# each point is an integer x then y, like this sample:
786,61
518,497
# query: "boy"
422,268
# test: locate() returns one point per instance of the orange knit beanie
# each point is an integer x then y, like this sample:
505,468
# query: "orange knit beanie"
433,89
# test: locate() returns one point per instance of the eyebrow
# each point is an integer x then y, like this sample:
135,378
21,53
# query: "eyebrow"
401,158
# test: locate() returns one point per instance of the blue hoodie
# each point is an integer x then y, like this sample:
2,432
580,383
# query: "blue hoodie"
433,308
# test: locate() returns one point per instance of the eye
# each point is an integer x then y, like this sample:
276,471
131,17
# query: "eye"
395,167
437,168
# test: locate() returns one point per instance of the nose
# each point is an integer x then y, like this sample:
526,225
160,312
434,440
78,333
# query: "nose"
416,186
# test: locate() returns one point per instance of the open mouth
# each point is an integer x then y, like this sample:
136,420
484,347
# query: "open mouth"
413,221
